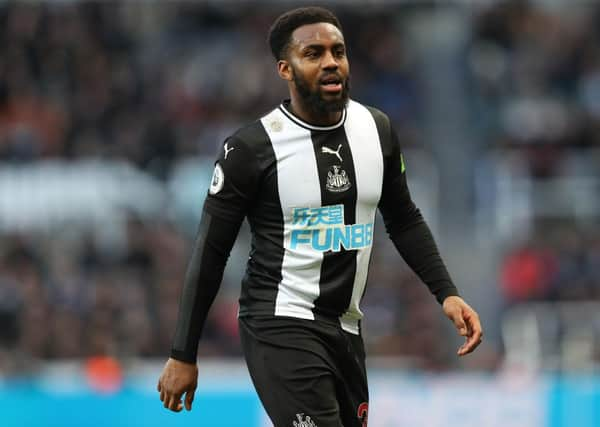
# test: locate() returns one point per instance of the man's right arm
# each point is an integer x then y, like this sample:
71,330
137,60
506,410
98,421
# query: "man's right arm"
232,191
214,241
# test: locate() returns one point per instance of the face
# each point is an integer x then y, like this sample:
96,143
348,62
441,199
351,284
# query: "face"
318,68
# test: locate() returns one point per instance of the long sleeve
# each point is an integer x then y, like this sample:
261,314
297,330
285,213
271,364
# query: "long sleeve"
407,228
230,196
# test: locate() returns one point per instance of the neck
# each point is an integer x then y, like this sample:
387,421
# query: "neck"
313,117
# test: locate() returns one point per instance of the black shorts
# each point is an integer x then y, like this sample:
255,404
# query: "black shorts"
306,373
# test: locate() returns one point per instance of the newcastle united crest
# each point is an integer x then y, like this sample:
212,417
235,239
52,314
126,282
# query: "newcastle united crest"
337,179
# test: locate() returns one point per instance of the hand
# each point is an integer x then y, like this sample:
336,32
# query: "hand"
178,378
466,321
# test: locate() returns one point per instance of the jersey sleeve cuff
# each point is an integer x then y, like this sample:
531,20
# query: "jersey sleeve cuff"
449,291
183,356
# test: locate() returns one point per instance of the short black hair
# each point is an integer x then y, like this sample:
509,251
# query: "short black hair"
283,27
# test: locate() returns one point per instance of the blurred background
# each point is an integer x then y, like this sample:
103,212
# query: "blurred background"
111,116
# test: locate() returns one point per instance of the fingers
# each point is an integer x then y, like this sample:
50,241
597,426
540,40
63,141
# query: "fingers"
470,345
161,390
475,333
170,401
461,326
175,405
189,398
173,402
457,318
178,378
466,321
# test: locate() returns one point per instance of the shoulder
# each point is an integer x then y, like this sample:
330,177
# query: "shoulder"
375,112
252,135
381,119
250,146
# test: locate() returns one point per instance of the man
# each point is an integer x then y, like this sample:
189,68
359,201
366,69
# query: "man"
309,177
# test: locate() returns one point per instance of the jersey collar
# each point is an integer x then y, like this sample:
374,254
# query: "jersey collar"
284,109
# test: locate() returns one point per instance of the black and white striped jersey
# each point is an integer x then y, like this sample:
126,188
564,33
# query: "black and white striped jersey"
310,195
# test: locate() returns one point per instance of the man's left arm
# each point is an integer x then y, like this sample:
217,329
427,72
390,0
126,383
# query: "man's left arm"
415,243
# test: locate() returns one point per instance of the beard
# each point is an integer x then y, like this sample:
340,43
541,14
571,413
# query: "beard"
313,99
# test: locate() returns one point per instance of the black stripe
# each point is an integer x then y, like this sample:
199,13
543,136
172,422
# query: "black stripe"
382,123
338,268
263,272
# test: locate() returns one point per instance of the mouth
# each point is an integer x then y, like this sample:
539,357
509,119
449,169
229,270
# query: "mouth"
331,84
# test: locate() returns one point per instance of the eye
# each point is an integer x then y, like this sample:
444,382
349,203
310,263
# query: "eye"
312,54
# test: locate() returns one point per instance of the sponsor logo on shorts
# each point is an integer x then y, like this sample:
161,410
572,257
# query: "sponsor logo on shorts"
304,421
323,229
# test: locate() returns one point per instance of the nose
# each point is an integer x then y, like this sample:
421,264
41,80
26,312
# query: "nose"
329,61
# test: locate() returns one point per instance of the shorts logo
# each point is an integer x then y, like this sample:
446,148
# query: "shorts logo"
218,179
363,413
304,422
337,179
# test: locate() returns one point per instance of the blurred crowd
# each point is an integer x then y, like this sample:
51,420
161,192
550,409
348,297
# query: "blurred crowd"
67,297
558,264
536,89
152,83
536,80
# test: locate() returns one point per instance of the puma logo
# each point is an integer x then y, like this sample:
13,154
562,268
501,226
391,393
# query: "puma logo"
227,149
330,151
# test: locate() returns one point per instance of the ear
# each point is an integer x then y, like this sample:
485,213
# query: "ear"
284,70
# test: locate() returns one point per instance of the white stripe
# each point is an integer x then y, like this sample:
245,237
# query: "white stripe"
298,186
363,138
